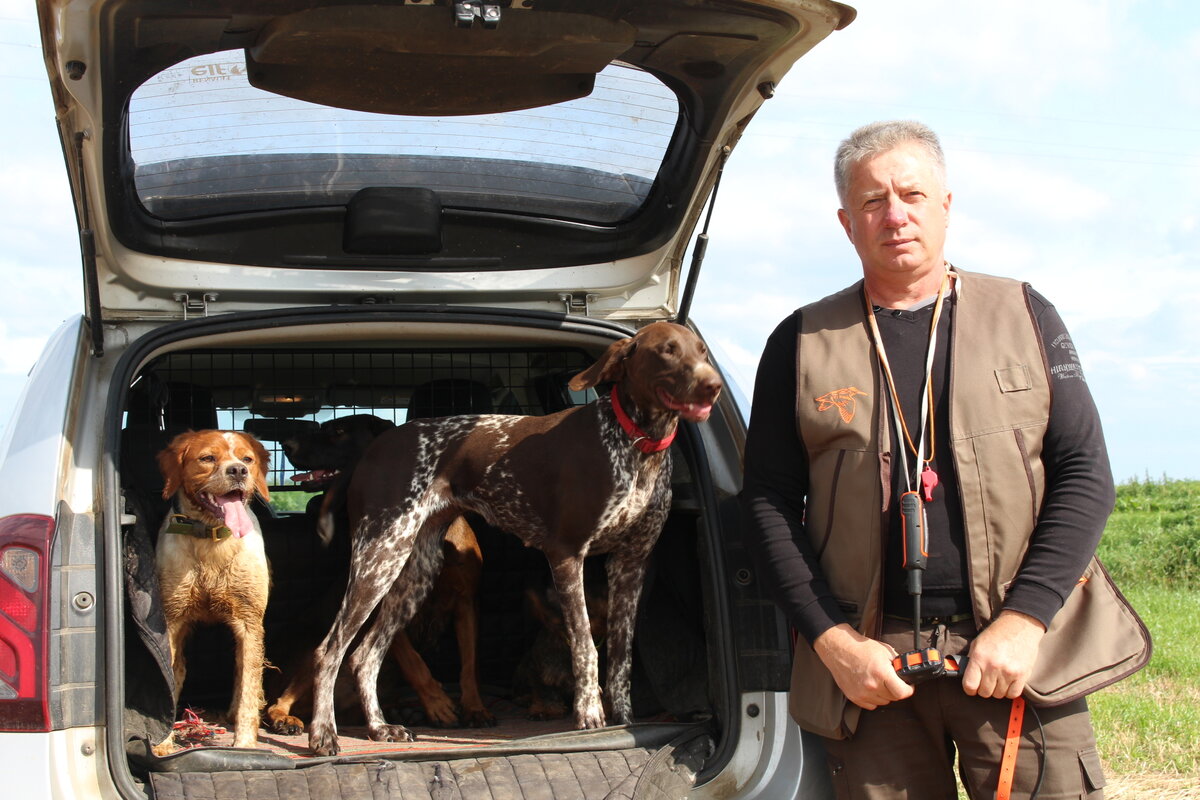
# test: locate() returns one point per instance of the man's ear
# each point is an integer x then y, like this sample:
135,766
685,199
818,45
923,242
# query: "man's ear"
610,367
844,218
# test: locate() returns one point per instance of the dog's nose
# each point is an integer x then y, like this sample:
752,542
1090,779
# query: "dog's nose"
237,470
709,385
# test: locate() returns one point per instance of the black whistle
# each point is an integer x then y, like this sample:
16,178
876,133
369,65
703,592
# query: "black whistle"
912,518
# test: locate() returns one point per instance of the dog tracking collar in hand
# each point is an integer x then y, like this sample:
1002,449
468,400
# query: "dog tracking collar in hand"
640,440
194,527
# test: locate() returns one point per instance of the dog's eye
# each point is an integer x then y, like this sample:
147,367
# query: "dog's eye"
208,459
248,459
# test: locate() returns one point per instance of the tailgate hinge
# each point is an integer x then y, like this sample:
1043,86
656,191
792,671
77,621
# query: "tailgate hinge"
576,305
465,12
195,306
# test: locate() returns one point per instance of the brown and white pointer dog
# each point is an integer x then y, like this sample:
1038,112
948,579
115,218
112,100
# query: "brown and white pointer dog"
591,479
330,454
212,566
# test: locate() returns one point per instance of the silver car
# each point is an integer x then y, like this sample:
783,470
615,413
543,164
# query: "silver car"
293,211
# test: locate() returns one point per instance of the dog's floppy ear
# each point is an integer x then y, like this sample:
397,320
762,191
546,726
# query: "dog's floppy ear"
170,464
262,461
610,368
378,425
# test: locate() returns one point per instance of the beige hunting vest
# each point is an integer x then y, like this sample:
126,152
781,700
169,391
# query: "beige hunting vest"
999,407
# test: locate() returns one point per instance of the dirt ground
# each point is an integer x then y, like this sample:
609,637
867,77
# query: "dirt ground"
1152,787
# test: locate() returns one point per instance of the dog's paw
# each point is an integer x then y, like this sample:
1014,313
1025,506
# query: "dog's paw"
542,710
323,741
442,713
478,718
589,718
390,733
620,714
166,747
248,740
285,725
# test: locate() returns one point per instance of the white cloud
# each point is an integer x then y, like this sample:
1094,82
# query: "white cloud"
1034,192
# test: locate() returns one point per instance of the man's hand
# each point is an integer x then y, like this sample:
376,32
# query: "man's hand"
1002,656
862,667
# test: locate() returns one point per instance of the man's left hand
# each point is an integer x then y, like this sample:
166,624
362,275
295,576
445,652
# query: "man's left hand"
1002,656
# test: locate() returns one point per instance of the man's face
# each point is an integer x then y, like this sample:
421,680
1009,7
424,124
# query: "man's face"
896,213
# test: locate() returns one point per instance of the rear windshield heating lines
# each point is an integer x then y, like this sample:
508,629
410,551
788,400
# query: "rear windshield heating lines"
202,139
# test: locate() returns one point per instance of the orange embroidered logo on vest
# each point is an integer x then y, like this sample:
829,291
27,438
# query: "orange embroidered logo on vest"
841,399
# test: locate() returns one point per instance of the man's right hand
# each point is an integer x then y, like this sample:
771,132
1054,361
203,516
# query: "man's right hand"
862,667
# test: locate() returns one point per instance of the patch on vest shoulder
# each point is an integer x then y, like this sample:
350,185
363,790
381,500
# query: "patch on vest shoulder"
841,399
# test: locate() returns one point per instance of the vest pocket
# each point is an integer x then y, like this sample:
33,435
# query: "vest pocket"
1014,379
1096,639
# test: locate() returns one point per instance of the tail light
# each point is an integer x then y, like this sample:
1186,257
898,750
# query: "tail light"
24,625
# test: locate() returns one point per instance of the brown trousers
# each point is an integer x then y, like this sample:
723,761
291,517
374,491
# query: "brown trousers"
908,749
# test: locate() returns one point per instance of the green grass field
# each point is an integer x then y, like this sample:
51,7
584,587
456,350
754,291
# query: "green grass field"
1148,726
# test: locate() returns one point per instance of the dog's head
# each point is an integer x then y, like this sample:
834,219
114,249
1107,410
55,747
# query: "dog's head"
334,446
215,474
664,366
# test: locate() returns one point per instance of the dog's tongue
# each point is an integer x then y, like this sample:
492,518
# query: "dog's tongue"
692,412
234,512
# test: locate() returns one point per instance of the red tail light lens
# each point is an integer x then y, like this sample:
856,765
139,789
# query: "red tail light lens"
24,625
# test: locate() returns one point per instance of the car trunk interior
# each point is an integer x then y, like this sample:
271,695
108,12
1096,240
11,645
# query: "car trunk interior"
681,682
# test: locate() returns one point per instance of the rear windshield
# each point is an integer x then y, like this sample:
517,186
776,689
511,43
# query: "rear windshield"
204,143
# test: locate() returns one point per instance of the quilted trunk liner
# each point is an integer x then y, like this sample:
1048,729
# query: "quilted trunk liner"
548,767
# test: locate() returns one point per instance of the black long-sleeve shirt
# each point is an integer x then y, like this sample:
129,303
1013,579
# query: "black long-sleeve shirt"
1079,488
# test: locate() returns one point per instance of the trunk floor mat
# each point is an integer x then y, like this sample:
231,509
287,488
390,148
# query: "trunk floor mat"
518,759
511,725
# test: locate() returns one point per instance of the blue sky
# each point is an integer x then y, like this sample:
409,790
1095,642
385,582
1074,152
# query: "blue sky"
1072,134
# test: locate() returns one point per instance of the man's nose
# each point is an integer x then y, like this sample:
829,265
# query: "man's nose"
895,214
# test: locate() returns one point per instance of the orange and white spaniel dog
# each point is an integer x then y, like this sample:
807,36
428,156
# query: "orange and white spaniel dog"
212,567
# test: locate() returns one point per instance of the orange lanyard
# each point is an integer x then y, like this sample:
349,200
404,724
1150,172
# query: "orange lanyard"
928,477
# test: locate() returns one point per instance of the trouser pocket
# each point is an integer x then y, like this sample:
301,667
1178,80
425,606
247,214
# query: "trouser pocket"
1092,772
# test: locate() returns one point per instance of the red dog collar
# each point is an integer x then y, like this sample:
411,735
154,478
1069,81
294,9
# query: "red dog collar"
640,440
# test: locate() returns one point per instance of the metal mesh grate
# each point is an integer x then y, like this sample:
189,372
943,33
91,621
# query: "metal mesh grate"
273,393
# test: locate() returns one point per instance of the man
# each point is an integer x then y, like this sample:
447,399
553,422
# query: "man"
963,391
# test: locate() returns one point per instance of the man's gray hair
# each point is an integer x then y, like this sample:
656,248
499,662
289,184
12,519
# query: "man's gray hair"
877,138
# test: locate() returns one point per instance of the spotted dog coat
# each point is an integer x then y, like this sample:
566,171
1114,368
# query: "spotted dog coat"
331,453
571,484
